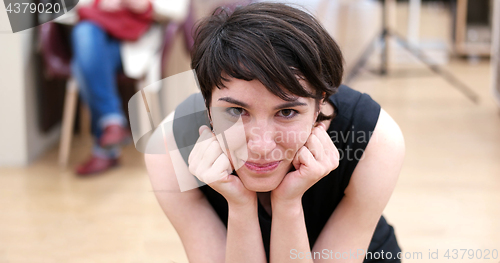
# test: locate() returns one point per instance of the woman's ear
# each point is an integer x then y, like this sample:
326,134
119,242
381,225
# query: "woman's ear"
321,105
316,115
322,101
326,111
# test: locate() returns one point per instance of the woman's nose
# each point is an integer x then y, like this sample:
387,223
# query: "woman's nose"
261,140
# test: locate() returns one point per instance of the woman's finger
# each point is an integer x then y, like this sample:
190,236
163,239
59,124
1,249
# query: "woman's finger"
220,169
315,147
304,157
322,135
296,161
209,156
329,148
203,142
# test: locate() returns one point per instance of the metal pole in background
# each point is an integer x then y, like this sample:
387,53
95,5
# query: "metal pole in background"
414,22
495,52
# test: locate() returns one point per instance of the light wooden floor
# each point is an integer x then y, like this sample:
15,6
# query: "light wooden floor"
447,196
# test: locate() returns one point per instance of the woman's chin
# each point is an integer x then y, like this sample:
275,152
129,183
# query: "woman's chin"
261,188
260,184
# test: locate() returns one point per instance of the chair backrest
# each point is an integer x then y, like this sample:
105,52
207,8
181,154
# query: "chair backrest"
188,27
55,50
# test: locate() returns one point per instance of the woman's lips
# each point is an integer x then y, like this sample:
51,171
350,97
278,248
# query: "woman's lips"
262,167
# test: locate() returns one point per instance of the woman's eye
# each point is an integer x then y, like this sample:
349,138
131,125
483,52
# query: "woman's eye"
287,113
236,111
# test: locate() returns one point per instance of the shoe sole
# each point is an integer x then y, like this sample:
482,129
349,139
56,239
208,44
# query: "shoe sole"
115,165
122,143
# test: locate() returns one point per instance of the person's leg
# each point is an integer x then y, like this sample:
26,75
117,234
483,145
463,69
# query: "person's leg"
96,61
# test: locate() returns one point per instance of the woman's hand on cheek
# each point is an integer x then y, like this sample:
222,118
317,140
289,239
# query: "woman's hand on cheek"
211,165
317,158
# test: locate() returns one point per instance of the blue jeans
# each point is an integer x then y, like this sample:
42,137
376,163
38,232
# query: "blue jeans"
96,62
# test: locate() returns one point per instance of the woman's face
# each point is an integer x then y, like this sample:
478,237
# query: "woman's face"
271,130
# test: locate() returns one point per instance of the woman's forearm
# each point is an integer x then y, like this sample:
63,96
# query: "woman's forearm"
244,239
289,241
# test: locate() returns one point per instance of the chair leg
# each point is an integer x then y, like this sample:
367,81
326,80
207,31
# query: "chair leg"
154,84
85,121
68,121
145,111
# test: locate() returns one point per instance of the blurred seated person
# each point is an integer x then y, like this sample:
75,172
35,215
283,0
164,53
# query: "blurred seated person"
114,36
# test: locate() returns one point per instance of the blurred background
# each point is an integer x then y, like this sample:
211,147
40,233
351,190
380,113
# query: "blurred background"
437,75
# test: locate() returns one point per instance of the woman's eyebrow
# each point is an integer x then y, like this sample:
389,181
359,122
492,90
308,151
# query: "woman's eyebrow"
290,104
233,101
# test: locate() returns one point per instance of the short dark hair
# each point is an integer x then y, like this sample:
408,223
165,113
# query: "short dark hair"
272,42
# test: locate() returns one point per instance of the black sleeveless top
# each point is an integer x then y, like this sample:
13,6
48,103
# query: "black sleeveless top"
356,116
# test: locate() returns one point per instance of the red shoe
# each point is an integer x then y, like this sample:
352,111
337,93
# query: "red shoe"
114,135
96,165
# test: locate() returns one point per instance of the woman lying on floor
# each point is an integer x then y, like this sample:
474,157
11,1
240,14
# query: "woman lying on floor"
312,198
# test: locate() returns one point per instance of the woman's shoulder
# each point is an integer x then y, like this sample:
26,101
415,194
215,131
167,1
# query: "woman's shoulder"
356,115
352,127
355,108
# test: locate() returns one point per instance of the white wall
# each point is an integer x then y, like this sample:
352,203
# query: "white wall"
20,140
13,144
